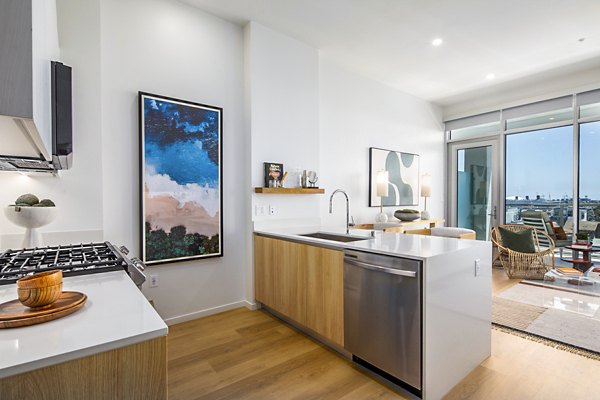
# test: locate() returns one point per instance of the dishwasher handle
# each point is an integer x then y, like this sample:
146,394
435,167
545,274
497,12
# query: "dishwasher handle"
394,271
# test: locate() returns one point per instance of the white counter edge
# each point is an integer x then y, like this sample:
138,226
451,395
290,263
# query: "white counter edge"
74,355
356,246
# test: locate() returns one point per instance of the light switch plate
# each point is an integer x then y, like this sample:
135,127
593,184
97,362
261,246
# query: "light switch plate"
259,210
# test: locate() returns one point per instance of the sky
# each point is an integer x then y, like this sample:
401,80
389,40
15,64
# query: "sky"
541,162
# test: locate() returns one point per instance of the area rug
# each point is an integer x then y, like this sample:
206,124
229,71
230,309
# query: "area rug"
561,319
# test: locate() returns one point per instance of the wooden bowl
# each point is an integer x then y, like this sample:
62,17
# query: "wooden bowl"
40,290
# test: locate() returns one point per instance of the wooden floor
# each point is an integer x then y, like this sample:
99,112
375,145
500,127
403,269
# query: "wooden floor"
244,354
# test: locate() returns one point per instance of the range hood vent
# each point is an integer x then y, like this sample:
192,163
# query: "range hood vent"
25,165
35,93
26,154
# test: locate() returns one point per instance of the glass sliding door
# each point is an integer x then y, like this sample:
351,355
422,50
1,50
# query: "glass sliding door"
539,174
474,186
589,181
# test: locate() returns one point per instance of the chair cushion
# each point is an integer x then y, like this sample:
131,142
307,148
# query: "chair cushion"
448,231
521,241
562,243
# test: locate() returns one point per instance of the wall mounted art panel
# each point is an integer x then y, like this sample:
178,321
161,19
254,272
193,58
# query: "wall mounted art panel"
181,179
403,170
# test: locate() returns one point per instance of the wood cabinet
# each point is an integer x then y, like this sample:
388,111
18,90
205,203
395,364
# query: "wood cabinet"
279,278
138,371
264,270
325,292
302,282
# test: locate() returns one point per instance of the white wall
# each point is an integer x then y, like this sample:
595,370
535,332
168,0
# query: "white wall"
283,101
357,113
284,105
78,191
168,48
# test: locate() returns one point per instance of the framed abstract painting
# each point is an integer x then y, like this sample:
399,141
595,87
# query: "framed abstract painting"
403,181
181,183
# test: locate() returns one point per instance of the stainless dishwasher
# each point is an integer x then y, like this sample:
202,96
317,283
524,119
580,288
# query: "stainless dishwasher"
383,314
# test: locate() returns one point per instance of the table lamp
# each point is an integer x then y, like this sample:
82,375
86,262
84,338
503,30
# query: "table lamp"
425,192
382,191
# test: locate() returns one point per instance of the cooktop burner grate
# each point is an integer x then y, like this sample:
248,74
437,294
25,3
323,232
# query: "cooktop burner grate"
79,259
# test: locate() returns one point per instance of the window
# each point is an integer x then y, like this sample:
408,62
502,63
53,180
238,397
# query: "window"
539,173
474,126
589,183
475,131
549,117
589,110
540,159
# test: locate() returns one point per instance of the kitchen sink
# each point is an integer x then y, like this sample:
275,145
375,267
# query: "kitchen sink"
335,237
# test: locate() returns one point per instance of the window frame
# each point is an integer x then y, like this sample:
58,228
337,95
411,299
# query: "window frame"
577,100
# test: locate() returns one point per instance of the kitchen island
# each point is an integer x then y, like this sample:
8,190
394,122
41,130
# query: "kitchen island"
114,347
301,279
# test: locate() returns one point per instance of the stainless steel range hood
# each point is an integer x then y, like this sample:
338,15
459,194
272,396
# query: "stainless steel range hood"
33,118
21,146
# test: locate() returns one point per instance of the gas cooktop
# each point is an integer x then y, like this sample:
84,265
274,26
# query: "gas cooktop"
73,259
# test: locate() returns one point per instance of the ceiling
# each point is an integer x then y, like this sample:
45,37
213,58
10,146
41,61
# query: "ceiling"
391,40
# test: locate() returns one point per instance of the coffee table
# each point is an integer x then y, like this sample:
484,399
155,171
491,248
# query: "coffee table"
583,262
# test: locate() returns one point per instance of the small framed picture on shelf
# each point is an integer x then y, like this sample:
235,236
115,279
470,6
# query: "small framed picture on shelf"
273,173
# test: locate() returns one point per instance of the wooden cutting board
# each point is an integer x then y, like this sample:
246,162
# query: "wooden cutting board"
13,314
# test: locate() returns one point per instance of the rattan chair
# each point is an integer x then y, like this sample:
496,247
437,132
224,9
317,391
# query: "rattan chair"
525,265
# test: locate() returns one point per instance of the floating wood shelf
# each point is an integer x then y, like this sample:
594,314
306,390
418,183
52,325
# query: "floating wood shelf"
289,190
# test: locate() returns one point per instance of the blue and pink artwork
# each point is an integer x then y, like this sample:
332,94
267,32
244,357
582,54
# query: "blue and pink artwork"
181,179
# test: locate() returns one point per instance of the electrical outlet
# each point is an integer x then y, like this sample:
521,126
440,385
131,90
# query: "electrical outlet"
271,210
477,267
153,281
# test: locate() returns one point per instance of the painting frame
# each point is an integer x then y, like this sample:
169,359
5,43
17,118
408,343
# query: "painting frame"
374,200
142,177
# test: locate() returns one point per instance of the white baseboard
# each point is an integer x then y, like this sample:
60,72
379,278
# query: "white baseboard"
210,311
250,305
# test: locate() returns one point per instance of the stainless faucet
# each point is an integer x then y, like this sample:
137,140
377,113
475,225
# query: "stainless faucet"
347,207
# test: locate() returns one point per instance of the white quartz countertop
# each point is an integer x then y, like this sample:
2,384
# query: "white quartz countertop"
420,247
116,314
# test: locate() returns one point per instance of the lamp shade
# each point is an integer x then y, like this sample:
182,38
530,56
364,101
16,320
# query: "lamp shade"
426,185
382,183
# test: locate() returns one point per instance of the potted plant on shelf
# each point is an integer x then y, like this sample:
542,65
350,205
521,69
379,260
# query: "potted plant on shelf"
582,238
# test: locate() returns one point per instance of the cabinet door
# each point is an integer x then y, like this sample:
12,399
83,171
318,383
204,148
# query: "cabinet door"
279,280
264,270
325,292
290,280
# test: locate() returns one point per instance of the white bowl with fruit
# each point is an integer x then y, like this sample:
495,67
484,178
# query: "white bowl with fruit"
31,213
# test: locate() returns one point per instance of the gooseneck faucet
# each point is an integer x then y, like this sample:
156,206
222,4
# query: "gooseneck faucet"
347,207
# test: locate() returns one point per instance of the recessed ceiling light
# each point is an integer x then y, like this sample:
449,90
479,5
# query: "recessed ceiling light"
437,41
490,76
581,39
